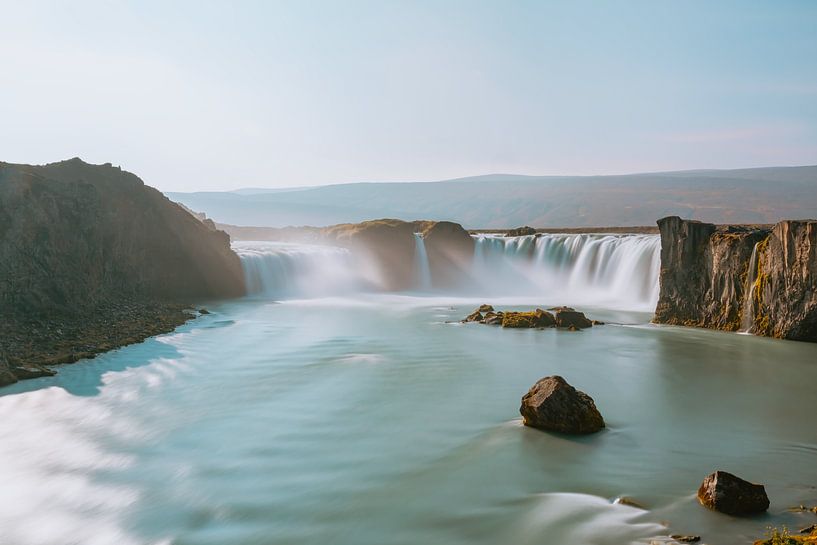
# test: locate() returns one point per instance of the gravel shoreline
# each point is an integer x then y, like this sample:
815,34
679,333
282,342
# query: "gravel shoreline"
29,347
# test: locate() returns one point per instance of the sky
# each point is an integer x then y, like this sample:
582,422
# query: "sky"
222,95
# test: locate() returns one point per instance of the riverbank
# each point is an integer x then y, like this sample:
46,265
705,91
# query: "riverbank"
29,347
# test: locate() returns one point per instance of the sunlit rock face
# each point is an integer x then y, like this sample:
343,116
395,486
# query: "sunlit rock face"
755,279
450,253
389,246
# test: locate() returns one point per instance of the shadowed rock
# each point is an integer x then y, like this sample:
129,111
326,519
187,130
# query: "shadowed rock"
554,405
740,277
724,492
572,318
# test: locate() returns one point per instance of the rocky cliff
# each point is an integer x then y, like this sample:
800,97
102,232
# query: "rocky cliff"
759,279
79,242
391,245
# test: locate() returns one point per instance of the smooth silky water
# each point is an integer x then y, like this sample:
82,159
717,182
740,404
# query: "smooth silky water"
346,417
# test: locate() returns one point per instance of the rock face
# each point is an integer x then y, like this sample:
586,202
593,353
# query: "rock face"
572,318
390,245
80,240
521,232
73,235
735,277
724,492
554,405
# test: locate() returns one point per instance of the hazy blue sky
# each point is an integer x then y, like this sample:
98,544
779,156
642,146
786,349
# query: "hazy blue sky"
219,95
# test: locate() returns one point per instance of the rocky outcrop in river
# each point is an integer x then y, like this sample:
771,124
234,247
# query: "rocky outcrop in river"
85,244
390,247
554,405
758,279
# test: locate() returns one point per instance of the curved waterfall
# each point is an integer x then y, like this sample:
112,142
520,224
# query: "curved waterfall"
619,271
608,270
283,270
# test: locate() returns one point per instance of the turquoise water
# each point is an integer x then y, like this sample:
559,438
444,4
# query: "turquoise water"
371,420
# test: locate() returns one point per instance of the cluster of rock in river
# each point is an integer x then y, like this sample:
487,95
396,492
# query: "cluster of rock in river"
564,317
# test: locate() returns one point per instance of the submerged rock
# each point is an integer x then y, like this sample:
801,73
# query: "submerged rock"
685,539
554,405
628,501
724,492
23,372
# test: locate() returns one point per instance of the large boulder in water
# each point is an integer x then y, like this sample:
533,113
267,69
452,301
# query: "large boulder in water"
724,492
567,317
554,405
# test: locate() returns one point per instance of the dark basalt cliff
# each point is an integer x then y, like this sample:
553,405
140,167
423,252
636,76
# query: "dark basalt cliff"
759,279
79,242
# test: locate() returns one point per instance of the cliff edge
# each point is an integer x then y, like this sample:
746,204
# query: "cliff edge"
739,278
83,244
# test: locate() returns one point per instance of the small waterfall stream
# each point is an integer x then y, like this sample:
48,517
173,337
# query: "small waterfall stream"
421,266
748,318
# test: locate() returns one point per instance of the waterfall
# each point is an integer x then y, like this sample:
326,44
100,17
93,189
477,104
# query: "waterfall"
421,267
748,318
614,271
283,270
605,270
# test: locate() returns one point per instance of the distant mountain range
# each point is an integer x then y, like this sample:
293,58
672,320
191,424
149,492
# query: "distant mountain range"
755,195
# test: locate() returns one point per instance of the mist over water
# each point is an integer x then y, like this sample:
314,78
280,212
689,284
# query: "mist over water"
322,410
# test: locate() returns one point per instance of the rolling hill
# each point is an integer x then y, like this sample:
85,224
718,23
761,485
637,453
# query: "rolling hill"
757,195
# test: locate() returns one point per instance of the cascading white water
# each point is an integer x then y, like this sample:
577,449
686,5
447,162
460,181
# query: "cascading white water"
607,270
618,271
747,321
421,267
283,270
